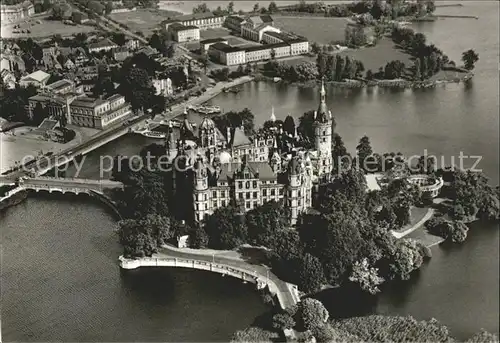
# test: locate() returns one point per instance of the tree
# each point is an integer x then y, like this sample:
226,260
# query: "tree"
201,8
469,57
289,125
252,334
406,258
312,314
225,230
155,42
108,7
321,62
483,337
143,237
340,157
256,7
198,237
283,321
264,222
272,7
230,7
311,275
417,73
273,54
315,48
366,276
364,151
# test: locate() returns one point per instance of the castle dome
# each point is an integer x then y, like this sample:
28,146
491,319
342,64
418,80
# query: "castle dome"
295,166
225,157
207,124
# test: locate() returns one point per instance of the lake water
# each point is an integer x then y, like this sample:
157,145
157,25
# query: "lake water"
60,278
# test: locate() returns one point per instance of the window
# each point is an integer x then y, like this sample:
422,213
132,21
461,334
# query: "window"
204,197
264,192
281,191
223,203
214,204
255,184
273,191
214,194
247,204
247,195
240,195
240,184
255,195
222,194
247,184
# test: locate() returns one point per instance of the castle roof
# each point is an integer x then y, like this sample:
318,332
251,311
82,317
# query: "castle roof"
239,138
322,114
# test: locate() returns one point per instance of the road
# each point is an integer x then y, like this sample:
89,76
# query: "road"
68,154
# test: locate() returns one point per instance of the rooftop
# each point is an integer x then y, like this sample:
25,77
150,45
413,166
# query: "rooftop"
193,16
38,75
180,27
213,40
60,84
87,102
265,47
260,19
225,47
102,44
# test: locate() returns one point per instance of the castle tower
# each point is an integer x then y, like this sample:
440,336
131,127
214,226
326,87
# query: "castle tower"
323,131
170,142
295,189
201,194
207,134
275,161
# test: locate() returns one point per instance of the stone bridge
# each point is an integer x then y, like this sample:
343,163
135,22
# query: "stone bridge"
287,294
67,185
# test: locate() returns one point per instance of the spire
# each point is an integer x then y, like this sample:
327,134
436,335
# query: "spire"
322,114
273,117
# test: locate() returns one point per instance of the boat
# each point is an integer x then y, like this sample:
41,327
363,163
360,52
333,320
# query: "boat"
154,134
277,79
231,90
149,133
206,109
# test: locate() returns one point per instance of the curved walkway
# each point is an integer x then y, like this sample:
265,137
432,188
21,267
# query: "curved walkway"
426,217
168,256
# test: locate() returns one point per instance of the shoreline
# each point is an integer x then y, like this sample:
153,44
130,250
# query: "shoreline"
391,84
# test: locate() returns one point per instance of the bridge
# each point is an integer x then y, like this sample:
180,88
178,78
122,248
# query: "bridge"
67,185
286,293
43,165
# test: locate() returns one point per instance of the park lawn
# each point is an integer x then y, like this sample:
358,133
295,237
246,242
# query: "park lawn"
144,20
416,214
378,56
317,29
47,28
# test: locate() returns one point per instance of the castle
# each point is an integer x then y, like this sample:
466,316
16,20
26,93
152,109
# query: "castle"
212,170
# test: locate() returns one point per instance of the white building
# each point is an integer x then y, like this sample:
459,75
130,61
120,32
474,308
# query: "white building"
254,27
226,54
163,86
204,21
184,33
38,79
13,13
205,44
102,45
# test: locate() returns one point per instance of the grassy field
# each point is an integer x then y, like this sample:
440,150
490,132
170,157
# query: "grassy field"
375,57
46,28
143,20
317,29
214,33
